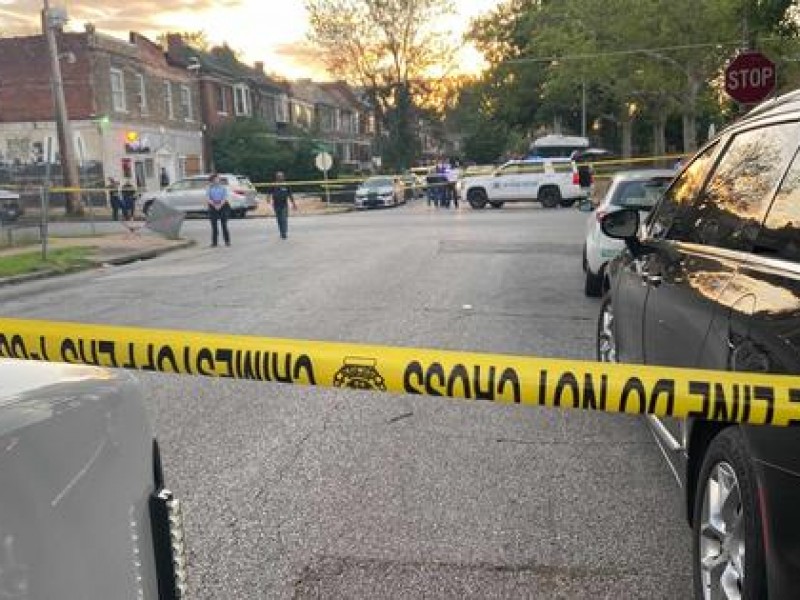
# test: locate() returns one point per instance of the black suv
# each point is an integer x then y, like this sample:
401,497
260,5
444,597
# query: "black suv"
713,281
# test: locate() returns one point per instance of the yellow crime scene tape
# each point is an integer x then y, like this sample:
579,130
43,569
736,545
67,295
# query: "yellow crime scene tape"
758,399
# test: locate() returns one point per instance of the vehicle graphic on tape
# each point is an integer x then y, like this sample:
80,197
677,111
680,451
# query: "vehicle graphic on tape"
359,374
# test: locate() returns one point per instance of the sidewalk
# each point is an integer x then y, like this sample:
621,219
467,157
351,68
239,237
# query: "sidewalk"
110,249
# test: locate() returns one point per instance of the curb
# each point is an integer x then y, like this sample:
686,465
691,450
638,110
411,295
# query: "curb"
94,263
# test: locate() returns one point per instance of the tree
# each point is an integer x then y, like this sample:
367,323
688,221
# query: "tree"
195,39
387,47
247,146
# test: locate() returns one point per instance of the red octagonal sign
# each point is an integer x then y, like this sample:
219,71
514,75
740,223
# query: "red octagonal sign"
750,77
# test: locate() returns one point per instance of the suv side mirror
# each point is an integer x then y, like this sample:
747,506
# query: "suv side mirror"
621,224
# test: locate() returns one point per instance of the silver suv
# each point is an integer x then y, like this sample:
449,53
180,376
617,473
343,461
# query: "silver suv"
189,194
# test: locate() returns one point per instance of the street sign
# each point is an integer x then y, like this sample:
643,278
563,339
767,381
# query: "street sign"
324,161
750,77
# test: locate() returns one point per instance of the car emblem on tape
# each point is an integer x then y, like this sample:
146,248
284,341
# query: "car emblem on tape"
359,374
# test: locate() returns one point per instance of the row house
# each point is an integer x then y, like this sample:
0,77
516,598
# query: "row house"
131,111
230,89
337,119
139,111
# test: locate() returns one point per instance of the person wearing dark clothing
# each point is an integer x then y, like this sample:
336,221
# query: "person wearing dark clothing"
281,196
128,200
113,198
218,209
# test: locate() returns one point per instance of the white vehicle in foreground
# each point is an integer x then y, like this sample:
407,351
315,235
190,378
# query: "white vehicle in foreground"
638,189
83,509
551,181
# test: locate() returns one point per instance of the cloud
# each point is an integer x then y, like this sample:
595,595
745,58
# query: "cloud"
303,56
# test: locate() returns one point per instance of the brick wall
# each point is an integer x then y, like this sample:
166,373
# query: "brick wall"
25,88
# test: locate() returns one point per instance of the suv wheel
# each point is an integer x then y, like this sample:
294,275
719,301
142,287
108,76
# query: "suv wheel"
477,199
147,206
593,284
727,544
606,340
549,196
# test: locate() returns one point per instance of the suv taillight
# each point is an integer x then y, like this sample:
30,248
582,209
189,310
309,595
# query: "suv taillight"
239,192
576,179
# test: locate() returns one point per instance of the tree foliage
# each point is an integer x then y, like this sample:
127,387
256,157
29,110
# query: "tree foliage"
641,62
388,48
195,39
247,146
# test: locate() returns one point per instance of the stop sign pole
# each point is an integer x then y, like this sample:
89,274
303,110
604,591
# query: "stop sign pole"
750,77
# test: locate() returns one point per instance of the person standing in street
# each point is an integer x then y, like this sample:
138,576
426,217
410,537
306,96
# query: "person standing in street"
113,198
281,196
218,210
128,200
452,173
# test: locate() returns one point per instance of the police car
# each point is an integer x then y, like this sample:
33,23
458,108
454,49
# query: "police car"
550,181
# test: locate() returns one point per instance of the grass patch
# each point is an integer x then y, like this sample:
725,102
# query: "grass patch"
60,259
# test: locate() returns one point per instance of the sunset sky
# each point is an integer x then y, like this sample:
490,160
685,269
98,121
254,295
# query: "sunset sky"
270,30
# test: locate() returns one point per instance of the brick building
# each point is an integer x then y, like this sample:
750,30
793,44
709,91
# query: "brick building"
230,89
131,111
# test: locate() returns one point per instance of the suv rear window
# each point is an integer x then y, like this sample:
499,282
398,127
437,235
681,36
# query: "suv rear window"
641,194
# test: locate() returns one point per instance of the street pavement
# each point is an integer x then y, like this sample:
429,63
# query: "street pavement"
317,493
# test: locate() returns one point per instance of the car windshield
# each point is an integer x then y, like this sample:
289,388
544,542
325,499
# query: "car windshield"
377,182
642,194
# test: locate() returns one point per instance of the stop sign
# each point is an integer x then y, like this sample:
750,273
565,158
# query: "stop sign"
750,77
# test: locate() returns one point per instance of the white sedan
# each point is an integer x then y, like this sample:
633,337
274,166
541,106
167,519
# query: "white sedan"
380,191
629,189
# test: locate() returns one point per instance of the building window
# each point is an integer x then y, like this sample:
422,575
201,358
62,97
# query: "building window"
186,102
118,91
222,100
168,107
241,100
282,109
142,93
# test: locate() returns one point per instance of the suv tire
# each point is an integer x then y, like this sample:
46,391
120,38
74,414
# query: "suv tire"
593,284
477,199
726,521
549,196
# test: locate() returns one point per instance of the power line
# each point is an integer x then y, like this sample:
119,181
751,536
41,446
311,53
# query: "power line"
548,59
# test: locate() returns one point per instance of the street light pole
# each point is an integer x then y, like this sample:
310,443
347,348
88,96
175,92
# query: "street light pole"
50,21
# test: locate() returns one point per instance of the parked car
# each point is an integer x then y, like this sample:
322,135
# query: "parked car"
413,187
10,206
83,508
378,191
189,194
713,281
628,189
550,181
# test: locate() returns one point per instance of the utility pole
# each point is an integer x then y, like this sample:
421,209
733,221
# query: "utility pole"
51,20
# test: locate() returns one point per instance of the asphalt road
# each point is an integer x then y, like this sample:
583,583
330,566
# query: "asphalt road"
312,493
